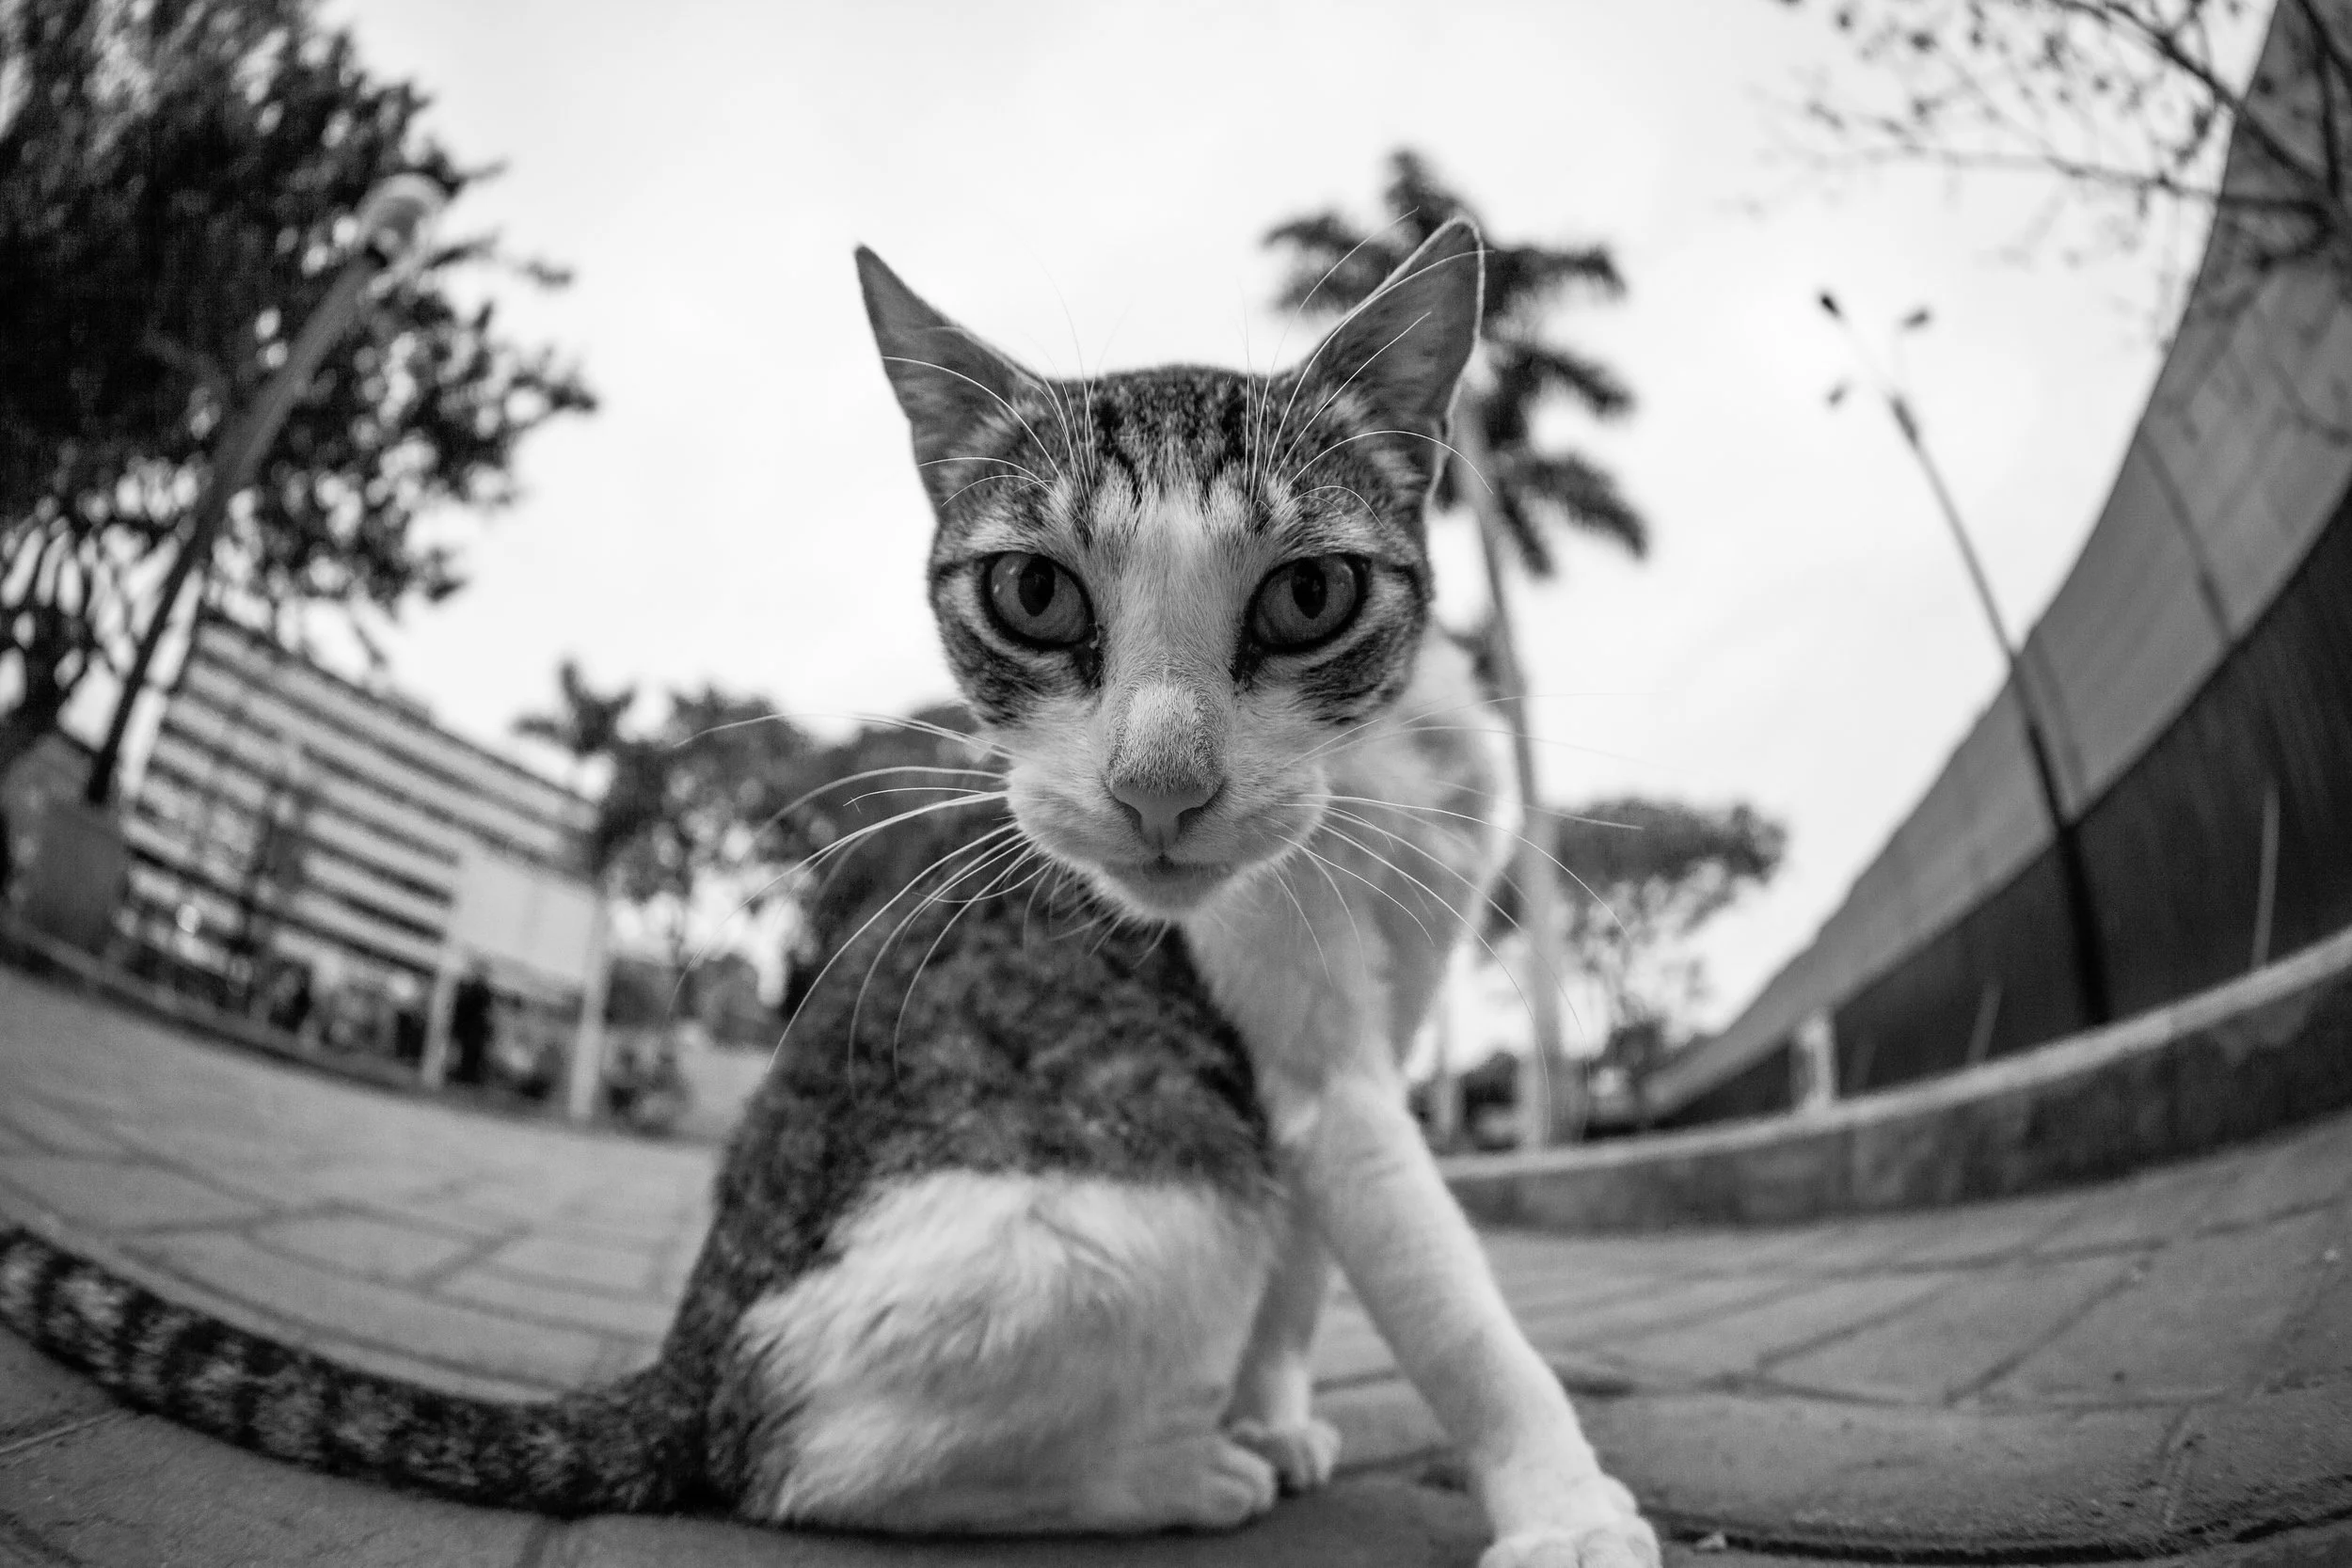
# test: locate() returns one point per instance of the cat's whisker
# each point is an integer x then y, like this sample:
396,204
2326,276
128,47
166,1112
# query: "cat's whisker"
845,947
1339,895
986,849
1468,925
1404,721
1298,312
1306,923
920,726
830,784
1021,469
962,490
1469,467
1302,375
908,789
1564,869
1349,489
1019,417
845,840
1533,740
1495,794
1335,393
709,942
906,998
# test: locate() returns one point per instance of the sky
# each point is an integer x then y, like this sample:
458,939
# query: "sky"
1088,186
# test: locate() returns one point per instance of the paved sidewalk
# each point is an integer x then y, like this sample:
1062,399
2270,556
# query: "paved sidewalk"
2161,1366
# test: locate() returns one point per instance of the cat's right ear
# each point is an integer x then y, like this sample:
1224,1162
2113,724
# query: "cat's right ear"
949,382
1403,349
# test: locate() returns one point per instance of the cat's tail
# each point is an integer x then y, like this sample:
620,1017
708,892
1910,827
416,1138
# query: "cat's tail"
631,1446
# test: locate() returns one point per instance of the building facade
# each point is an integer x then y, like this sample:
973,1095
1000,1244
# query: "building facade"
288,820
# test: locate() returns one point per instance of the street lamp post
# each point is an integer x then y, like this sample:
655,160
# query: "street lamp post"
392,223
2090,970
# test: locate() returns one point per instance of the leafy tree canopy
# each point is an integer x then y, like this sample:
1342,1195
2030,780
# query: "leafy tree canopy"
177,184
1638,878
1335,264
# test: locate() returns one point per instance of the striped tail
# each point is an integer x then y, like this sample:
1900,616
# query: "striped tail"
631,1445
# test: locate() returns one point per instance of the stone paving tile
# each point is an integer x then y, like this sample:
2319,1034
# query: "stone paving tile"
1839,1473
2151,1206
1376,1522
1570,1289
91,1497
340,1306
1985,1232
1976,1326
1698,1301
1380,1423
612,1269
2318,1343
38,1397
2278,1457
112,1195
360,1244
1349,1349
545,1302
427,1213
1746,1340
2314,1166
2197,1322
55,1130
1864,1243
2328,1548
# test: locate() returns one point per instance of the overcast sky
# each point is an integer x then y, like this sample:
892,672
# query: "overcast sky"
1088,184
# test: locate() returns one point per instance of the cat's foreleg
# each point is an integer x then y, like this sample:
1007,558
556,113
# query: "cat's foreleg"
1271,1413
1373,1189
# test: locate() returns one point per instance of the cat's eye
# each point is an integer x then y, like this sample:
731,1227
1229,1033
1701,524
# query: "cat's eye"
1307,602
1035,600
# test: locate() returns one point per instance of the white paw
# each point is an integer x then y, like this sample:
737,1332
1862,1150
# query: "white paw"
1302,1454
1205,1483
1603,1529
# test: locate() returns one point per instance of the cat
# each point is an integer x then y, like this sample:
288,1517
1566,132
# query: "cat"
1029,1224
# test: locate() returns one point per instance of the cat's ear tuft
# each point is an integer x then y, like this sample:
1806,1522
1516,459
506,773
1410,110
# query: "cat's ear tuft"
1403,349
949,382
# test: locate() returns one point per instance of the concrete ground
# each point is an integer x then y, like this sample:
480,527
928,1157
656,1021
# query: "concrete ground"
2159,1369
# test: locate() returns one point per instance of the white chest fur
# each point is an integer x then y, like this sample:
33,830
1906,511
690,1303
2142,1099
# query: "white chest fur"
987,1337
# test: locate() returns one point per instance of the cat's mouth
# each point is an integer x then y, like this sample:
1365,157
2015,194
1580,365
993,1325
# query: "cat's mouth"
1168,886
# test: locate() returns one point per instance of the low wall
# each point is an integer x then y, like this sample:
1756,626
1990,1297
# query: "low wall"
2258,1052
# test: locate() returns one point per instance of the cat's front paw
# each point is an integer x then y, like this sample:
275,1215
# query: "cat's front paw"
1302,1453
1603,1528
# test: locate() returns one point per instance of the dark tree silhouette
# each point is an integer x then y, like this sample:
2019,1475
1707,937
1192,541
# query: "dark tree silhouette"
177,186
1649,874
1521,488
1335,264
2131,112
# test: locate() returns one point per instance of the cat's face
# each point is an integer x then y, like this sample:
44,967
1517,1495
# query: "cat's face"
1171,595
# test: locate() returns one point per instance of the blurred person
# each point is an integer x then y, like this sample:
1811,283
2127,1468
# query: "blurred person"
472,1024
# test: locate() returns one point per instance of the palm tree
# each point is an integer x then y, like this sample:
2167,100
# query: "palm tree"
1522,489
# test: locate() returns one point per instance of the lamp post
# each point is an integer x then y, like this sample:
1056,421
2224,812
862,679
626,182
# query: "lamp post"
392,220
2090,970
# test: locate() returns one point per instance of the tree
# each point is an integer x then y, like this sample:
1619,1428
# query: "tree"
2131,111
1639,878
1522,486
177,181
696,802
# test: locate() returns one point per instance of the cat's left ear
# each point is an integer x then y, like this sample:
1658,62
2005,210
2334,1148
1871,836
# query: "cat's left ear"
1401,351
949,382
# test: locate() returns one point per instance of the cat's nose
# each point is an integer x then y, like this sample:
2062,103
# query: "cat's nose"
1159,806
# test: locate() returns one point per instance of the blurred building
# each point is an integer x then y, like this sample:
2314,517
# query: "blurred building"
2194,676
289,821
